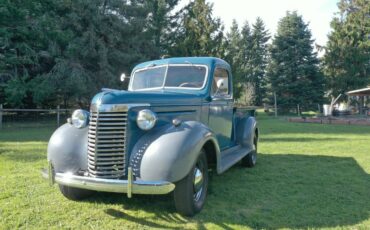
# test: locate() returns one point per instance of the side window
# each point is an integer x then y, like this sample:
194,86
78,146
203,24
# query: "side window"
220,74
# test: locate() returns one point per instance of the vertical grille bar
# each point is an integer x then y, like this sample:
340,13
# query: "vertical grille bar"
107,142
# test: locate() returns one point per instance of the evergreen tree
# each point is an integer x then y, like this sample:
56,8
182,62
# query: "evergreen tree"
56,52
233,55
233,49
160,23
258,60
23,41
347,56
246,47
293,68
245,87
198,33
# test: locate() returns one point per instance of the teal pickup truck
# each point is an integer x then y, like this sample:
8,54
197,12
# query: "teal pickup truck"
174,123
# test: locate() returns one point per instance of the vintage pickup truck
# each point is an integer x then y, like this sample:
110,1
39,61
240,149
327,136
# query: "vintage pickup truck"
174,123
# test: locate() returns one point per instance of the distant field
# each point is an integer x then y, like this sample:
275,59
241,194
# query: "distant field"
307,176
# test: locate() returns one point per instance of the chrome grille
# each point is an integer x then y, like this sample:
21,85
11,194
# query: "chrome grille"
106,142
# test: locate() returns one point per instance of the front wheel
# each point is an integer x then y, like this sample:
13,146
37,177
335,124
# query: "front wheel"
75,193
190,193
250,160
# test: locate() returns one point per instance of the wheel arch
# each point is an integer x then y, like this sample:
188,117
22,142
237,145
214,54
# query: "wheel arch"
257,133
212,154
246,130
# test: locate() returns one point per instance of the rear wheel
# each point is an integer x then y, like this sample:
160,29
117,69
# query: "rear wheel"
190,193
250,160
75,193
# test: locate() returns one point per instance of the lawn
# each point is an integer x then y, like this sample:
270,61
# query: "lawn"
307,176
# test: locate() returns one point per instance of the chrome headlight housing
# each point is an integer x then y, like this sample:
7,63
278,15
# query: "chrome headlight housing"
80,118
146,119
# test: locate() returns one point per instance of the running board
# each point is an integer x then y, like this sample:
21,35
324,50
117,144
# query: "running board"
231,156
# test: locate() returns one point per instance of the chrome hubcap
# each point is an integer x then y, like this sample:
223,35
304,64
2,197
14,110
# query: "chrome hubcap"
254,154
254,158
198,183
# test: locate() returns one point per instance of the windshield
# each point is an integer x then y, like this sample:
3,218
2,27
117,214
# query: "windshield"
169,76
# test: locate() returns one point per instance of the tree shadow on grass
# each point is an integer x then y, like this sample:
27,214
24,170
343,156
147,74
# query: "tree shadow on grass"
271,126
282,191
300,139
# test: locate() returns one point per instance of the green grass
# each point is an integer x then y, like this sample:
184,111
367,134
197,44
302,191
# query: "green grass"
307,176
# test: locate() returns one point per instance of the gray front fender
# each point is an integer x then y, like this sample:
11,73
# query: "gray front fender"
169,154
67,149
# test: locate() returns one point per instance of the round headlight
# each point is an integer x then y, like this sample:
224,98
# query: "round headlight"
80,118
146,119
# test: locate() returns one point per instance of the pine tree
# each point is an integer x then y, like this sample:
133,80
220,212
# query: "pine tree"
246,47
23,41
258,60
63,52
347,56
198,33
244,86
160,24
233,55
293,68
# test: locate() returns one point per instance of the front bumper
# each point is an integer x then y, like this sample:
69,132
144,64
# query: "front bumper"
128,186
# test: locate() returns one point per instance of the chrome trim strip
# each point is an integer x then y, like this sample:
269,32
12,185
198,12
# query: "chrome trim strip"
114,107
112,185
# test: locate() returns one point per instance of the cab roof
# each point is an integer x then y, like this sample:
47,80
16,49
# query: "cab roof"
209,61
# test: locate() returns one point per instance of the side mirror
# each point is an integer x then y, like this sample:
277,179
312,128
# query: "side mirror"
221,84
123,77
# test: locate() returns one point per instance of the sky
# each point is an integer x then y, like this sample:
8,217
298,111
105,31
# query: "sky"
318,13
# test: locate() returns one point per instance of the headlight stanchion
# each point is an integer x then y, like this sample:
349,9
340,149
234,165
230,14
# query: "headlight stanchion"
129,184
51,173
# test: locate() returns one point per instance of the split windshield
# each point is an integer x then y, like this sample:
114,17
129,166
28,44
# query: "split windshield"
169,76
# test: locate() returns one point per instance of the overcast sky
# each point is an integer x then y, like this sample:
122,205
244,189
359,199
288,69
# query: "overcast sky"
318,13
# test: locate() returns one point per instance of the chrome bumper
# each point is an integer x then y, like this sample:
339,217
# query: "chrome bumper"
128,186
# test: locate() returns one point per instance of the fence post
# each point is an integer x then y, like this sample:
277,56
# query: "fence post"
1,116
58,115
275,104
298,112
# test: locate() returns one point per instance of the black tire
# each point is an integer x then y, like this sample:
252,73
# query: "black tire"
250,160
75,193
189,198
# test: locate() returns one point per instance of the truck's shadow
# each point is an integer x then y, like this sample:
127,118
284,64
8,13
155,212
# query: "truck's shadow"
282,191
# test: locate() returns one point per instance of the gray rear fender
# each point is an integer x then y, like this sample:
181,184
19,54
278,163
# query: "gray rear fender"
169,154
67,149
246,129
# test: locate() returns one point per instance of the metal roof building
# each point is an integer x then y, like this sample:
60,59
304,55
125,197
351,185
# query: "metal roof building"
359,92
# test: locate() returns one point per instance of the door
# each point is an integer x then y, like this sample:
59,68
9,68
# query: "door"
221,107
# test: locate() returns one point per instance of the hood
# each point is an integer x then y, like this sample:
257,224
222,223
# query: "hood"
160,97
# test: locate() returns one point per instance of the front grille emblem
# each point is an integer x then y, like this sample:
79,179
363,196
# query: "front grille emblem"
115,167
